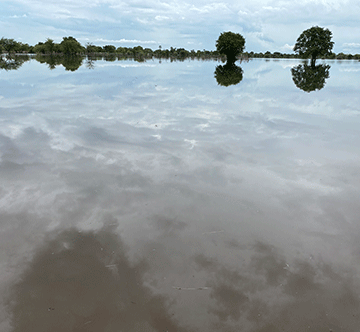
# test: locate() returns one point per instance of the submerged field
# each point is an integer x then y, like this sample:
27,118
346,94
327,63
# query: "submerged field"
157,197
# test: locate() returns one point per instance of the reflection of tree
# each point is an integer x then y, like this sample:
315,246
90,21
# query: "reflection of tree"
310,78
110,57
229,74
13,62
85,282
52,61
90,64
72,63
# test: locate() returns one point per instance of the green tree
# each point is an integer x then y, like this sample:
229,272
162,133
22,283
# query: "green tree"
231,44
313,43
90,48
49,46
109,49
40,48
70,45
9,45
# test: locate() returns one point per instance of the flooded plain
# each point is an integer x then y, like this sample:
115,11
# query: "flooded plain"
175,196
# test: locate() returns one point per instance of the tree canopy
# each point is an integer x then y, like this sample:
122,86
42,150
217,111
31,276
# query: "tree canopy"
314,42
70,45
231,44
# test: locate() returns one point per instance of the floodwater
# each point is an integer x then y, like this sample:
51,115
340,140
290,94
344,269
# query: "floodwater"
148,197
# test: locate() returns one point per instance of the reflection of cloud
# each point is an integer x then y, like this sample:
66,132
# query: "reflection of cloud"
169,226
267,293
84,281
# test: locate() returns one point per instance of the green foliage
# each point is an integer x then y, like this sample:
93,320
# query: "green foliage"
9,45
229,74
310,78
109,49
231,44
49,46
314,42
39,48
90,48
70,45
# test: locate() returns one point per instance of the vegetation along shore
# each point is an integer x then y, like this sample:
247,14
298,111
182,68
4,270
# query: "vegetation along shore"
70,46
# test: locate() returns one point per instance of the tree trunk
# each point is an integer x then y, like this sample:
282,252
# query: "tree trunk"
313,59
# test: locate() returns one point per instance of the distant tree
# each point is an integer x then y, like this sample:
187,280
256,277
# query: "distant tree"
138,51
9,45
229,74
148,51
122,50
109,49
231,44
70,45
314,42
310,78
40,48
90,48
49,46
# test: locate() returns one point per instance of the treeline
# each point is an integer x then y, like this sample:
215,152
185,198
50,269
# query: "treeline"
278,55
70,46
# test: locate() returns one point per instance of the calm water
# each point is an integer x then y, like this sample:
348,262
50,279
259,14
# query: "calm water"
146,197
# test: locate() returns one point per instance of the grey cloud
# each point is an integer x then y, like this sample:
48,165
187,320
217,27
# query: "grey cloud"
265,38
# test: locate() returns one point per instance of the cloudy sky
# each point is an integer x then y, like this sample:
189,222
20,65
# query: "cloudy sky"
270,25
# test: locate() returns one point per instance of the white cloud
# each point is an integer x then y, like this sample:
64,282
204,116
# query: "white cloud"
270,24
18,16
130,41
287,47
162,18
351,45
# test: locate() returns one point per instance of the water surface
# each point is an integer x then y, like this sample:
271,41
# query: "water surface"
147,197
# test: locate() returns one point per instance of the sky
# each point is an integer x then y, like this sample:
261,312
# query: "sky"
267,25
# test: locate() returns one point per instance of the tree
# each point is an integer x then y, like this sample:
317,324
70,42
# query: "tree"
49,46
9,45
109,49
90,48
314,42
231,44
70,45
